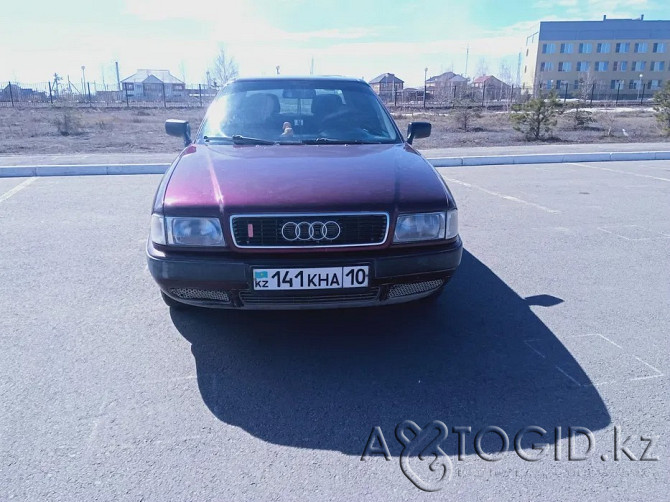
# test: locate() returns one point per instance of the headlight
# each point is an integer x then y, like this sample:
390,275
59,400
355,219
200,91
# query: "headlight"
426,226
187,231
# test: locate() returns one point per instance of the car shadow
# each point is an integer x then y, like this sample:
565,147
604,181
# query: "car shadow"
477,357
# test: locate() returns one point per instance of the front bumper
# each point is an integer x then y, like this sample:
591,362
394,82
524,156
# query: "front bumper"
225,281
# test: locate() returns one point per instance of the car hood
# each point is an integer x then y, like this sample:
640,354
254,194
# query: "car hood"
229,179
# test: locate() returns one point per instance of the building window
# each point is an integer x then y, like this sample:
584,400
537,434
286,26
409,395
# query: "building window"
585,48
639,65
549,84
641,47
566,48
548,48
656,84
615,67
623,65
565,66
603,48
617,84
582,66
659,47
657,66
548,66
622,47
601,65
575,84
633,84
128,86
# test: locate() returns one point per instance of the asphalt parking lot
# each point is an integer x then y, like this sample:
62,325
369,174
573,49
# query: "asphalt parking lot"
558,317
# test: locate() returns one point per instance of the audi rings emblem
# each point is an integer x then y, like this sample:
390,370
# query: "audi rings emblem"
310,231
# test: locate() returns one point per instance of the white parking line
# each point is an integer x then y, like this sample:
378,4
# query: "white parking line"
581,164
501,195
16,189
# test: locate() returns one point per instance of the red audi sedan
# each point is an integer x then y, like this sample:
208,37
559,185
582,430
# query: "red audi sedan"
301,193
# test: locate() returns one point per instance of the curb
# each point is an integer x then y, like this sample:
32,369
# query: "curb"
547,158
81,170
484,160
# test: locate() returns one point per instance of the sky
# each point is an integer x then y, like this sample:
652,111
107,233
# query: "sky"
355,38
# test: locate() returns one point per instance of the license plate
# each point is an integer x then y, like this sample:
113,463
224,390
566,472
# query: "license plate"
273,279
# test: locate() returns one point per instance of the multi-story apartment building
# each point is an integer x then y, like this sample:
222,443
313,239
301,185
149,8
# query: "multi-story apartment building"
628,58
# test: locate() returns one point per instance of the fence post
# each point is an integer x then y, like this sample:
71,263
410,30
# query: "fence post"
125,89
565,98
88,86
200,94
642,98
164,101
593,90
618,89
483,94
51,97
11,95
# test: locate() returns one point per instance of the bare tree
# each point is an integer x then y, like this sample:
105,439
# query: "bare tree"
482,67
505,72
224,68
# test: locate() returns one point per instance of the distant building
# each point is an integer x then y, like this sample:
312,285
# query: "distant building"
17,93
492,87
447,85
149,85
598,58
386,85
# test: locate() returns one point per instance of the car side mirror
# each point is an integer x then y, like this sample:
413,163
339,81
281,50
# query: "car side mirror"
417,130
179,128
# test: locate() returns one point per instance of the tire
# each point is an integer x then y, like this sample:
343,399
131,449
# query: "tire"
172,303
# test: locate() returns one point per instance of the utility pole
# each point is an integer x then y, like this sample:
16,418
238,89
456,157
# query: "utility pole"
467,57
425,85
118,78
518,71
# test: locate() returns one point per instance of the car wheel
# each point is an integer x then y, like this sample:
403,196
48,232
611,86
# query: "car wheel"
172,303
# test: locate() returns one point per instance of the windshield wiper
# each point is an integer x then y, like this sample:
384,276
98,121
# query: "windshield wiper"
332,141
246,140
240,140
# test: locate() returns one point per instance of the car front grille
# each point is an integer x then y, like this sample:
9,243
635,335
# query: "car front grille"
279,231
310,297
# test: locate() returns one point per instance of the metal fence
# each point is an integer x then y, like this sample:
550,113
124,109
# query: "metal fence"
14,94
505,97
200,95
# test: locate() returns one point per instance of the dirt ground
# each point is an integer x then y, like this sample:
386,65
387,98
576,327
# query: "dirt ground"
136,130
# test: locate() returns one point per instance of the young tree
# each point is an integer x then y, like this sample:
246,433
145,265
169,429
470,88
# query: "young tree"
465,114
537,117
224,68
662,107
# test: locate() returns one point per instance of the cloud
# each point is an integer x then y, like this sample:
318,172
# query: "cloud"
595,9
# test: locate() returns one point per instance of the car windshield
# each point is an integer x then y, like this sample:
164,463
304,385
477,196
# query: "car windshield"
287,111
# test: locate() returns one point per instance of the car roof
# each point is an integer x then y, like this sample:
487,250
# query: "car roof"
329,78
